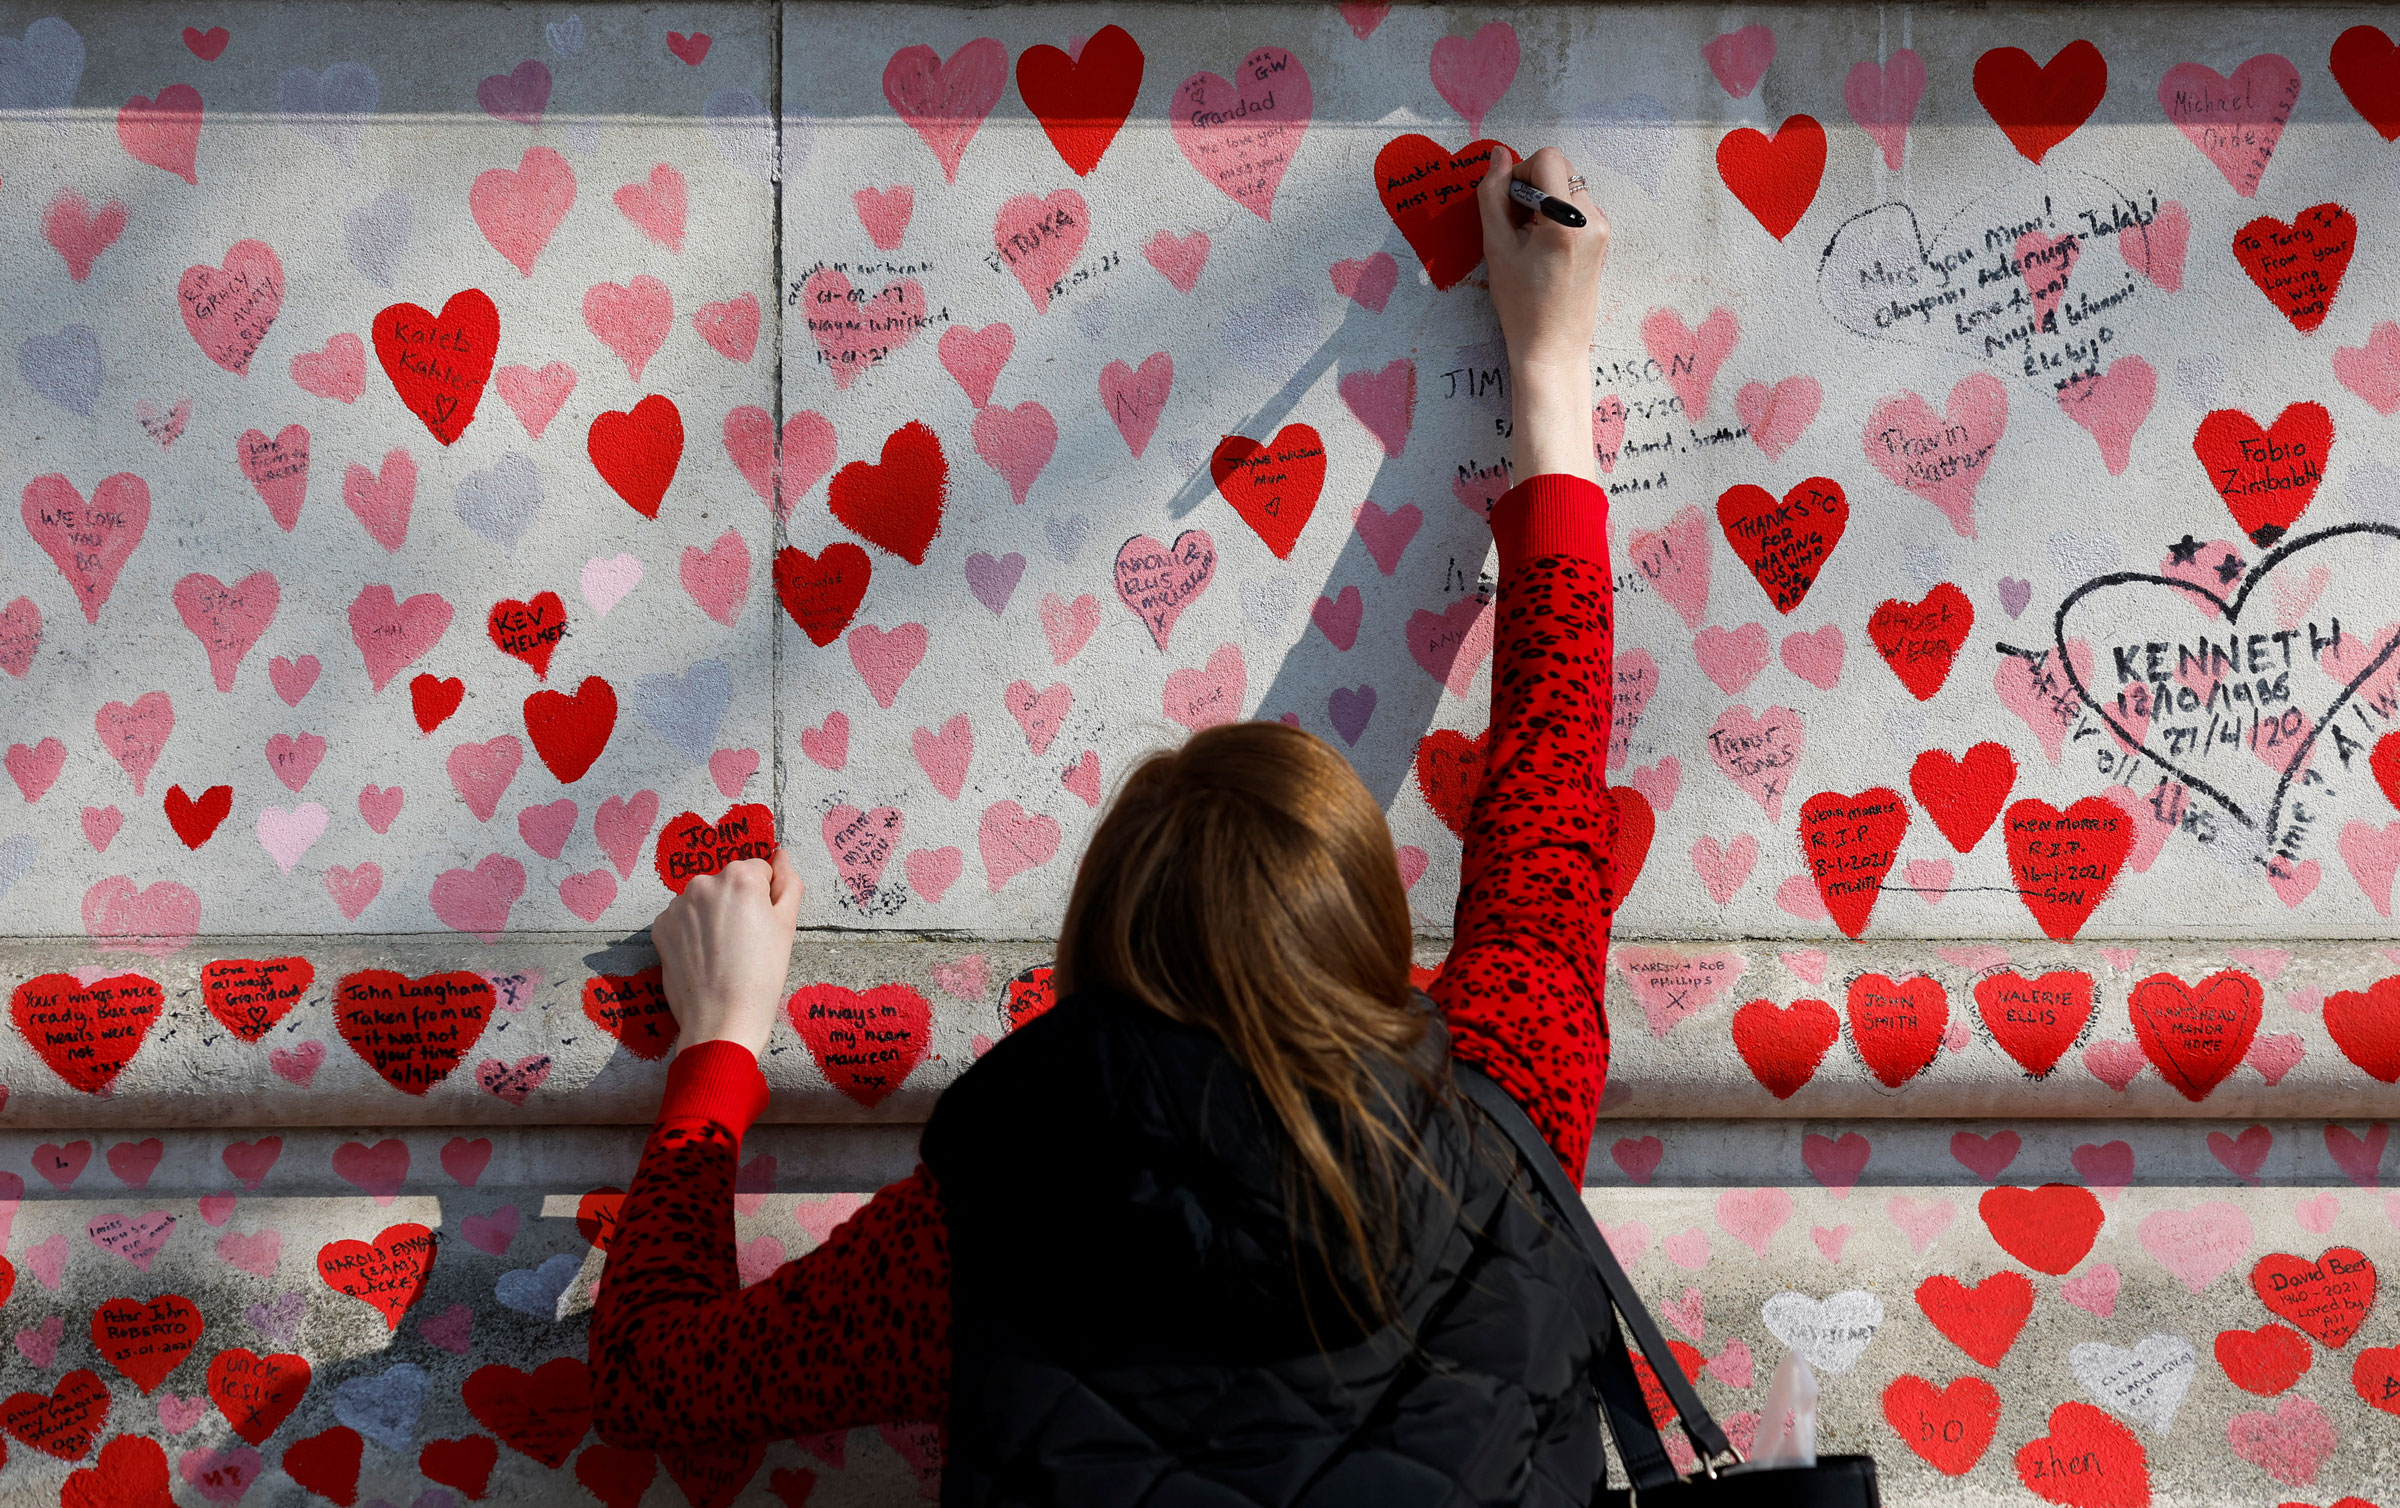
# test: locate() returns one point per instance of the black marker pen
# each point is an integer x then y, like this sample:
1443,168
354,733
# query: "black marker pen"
1557,209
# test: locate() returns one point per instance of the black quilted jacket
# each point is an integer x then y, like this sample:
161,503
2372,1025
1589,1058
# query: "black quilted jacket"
1132,1323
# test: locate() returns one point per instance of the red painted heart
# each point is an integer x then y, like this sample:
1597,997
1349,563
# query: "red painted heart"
2065,862
2329,1297
256,1393
544,1413
145,1339
691,846
439,364
1429,191
1776,176
1082,101
1897,1025
86,1033
2196,1035
822,592
2298,264
1963,795
1785,542
2039,105
1921,640
2035,1021
895,503
2049,1229
569,732
1783,1047
866,1041
387,1273
2365,1025
529,631
1849,843
1449,770
633,1009
1274,487
637,450
412,1031
2267,475
248,996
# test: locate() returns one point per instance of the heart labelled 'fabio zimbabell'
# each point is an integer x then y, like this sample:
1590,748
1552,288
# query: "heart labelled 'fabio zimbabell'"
2329,1297
1449,769
1785,542
1950,1427
691,845
895,503
412,1031
2088,1460
636,451
2267,474
2049,1229
145,1339
529,631
439,364
822,592
1082,100
86,1033
1273,486
256,1393
1897,1025
569,732
1429,191
2039,105
2035,1021
1637,824
432,698
1848,843
1983,1321
2196,1035
2365,1025
1964,795
196,818
2299,264
248,996
2065,862
633,1009
1776,176
544,1413
1784,1046
1920,640
866,1041
387,1273
2265,1361
2366,64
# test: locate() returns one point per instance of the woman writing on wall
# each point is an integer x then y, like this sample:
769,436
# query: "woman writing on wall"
1218,1227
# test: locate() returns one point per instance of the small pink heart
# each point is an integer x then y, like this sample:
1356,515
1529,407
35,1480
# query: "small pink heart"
39,1343
829,744
299,1065
1808,963
491,1232
2094,1292
513,1082
1638,1157
175,1415
1830,1241
1083,778
47,1261
967,979
293,678
2116,1064
2276,1055
884,214
1734,1366
2317,1215
450,1329
1412,864
1687,1249
100,824
731,769
216,1209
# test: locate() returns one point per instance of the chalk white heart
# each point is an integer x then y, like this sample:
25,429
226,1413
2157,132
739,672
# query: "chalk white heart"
2145,1384
1831,1332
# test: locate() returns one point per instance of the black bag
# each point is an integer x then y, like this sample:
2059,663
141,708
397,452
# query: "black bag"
1834,1482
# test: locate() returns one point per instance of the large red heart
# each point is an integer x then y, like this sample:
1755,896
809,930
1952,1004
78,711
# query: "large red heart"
691,846
62,1422
2049,1229
86,1033
569,732
2366,64
1637,824
2035,1021
1273,486
256,1393
2265,1361
465,1463
327,1464
439,364
544,1413
411,1031
633,1009
2365,1025
1785,542
529,631
2064,862
1964,795
1897,1025
146,1340
2267,476
1775,177
1983,1321
636,451
249,995
195,819
866,1041
2298,264
1920,640
2039,105
1429,191
386,1273
2329,1297
1081,101
822,592
131,1473
2198,1034
1784,1046
2088,1460
1949,1427
1449,771
895,502
1848,843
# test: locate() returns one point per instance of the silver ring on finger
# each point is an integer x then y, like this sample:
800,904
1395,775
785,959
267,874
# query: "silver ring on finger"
1577,183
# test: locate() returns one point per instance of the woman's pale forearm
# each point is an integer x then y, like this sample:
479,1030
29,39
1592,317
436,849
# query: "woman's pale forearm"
1552,422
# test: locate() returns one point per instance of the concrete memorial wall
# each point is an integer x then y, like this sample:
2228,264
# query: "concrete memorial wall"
479,465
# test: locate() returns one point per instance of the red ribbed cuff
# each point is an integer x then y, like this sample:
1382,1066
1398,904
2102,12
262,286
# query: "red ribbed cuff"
1552,514
715,1081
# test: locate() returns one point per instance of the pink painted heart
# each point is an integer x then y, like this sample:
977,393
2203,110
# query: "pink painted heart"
718,578
1384,401
1387,535
378,1171
100,824
1673,983
2094,1291
655,205
228,309
2156,250
2275,1054
477,900
1211,695
1941,458
946,101
1777,416
861,844
292,679
884,214
1038,713
492,1231
227,620
730,326
1038,240
545,829
1472,73
1658,782
1739,59
2112,406
1836,1162
157,920
829,744
519,208
1017,443
482,772
1758,753
2235,122
1337,618
137,1238
973,358
1675,560
451,1329
853,332
1083,779
2372,371
382,502
163,132
1815,657
1178,259
944,756
2199,1245
588,894
521,95
1691,357
78,233
88,541
2372,855
731,769
781,476
1883,101
1608,431
298,1065
338,371
1722,869
622,827
515,1081
1732,657
1241,135
631,319
932,871
177,1414
2295,1441
1753,1216
1068,626
886,660
1013,840
20,635
1158,582
39,1343
1920,1220
535,397
1135,396
2116,1064
1367,282
1451,645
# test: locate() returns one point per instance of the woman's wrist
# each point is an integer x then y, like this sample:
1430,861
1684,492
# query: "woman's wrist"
1552,422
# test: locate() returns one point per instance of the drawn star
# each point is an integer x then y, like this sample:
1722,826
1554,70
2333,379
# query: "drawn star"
2229,568
2184,551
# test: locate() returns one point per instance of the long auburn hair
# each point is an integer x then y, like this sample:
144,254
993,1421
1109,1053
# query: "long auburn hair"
1246,883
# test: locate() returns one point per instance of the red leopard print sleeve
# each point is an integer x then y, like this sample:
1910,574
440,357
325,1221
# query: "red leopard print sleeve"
858,1330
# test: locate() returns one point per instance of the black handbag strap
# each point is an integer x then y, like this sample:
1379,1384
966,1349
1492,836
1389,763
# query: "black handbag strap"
1629,1417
